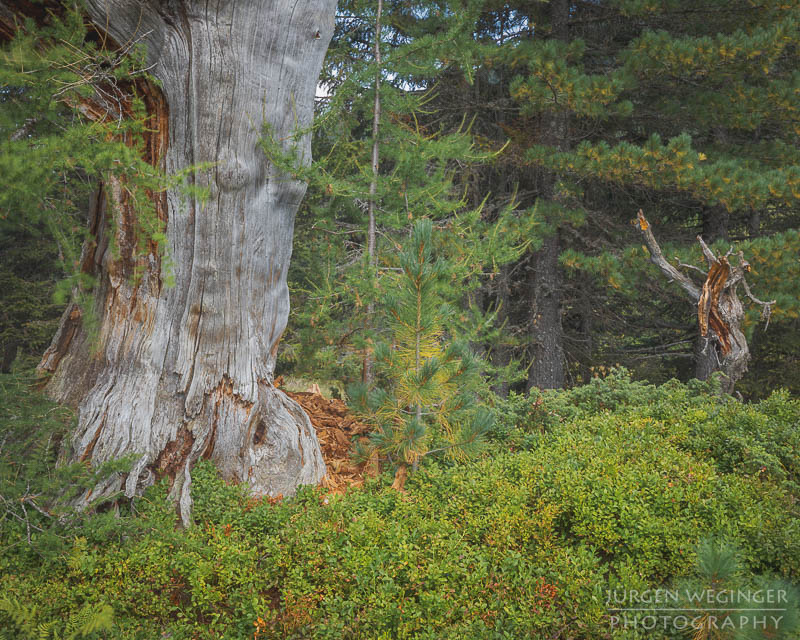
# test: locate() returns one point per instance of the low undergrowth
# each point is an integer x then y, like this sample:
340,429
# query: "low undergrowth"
611,486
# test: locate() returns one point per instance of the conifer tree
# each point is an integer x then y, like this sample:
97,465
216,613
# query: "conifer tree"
336,286
686,109
741,609
427,402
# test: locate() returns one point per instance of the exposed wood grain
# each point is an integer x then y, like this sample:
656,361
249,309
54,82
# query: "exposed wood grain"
708,307
723,346
198,358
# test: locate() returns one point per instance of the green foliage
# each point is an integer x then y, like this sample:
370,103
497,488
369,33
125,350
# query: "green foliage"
737,597
35,490
334,282
85,623
55,154
429,383
613,484
752,440
676,165
617,487
556,82
621,105
28,316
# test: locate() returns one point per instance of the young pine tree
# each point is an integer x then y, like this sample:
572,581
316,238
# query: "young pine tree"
746,606
427,403
380,154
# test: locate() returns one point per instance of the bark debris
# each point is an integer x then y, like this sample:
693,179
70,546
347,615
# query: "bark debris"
337,429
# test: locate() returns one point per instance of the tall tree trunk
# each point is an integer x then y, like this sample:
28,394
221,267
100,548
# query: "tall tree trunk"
706,358
502,354
186,371
546,335
9,354
373,185
715,223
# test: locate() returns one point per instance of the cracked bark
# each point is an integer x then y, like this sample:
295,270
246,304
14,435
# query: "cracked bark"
722,345
185,371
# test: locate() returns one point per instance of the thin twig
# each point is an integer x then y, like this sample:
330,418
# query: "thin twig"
683,265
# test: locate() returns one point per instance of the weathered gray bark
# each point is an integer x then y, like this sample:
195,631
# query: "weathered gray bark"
722,345
186,371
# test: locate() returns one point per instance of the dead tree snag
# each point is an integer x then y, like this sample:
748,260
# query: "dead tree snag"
186,371
719,310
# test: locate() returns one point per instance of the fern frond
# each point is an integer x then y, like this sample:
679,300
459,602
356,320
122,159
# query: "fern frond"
81,624
89,620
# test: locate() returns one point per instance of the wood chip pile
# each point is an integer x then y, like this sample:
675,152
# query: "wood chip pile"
335,427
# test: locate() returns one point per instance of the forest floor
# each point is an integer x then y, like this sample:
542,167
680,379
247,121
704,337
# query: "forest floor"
601,489
336,428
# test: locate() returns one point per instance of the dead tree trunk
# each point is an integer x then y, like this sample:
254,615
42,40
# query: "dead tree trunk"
715,227
722,344
183,372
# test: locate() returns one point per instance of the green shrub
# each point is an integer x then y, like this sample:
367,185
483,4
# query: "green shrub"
522,543
756,440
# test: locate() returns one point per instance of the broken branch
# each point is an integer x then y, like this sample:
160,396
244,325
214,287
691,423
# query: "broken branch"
710,257
766,311
658,259
683,265
708,306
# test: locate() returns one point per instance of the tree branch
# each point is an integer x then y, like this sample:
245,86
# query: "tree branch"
658,259
710,257
683,265
766,312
